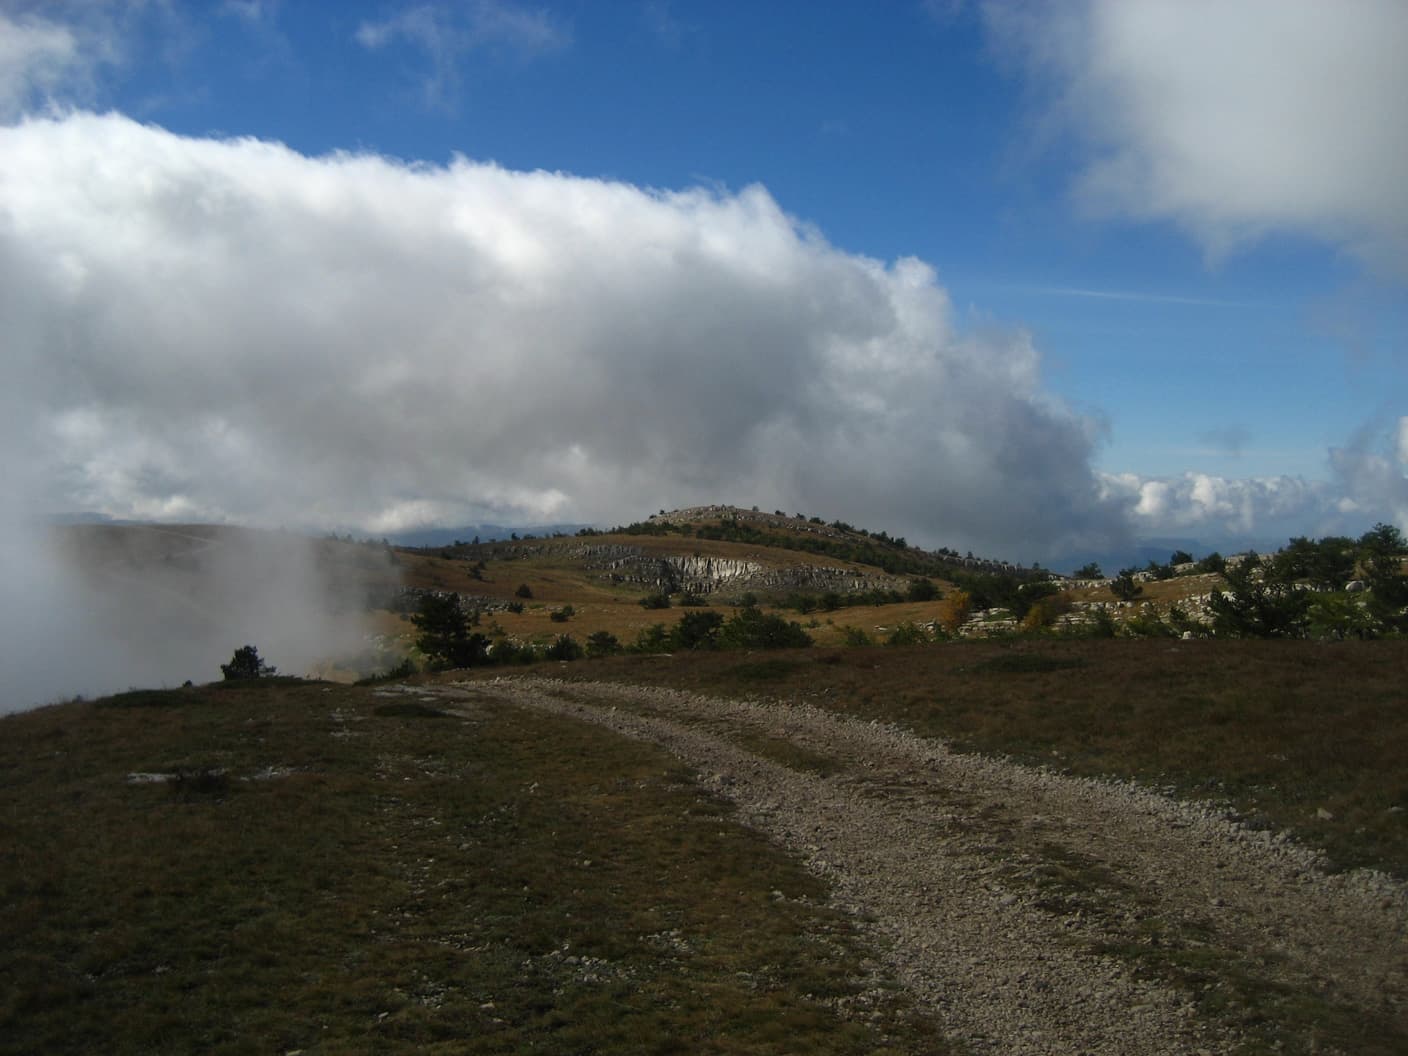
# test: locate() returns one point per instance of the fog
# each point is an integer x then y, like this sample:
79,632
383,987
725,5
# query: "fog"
95,609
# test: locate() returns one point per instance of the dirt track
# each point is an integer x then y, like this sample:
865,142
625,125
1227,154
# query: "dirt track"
1016,903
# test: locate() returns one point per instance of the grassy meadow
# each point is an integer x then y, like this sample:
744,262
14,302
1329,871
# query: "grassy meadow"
337,871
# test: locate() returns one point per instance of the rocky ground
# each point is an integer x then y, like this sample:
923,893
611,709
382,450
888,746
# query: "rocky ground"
1031,911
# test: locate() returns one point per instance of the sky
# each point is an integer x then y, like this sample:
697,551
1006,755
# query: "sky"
1020,278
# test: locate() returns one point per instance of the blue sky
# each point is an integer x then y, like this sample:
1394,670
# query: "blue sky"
1164,247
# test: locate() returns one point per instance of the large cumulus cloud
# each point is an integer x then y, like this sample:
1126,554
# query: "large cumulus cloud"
207,329
1236,119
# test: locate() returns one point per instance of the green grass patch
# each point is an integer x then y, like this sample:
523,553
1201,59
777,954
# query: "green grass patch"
501,884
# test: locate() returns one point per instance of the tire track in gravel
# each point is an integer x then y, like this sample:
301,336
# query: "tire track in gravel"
950,858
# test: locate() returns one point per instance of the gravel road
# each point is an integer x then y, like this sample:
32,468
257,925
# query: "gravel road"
1031,912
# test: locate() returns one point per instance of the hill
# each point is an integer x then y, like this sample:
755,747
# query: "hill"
850,586
345,609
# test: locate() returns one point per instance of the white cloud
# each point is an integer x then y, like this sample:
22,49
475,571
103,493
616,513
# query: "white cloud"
1222,508
1368,482
36,58
253,12
1234,119
227,329
1374,482
446,35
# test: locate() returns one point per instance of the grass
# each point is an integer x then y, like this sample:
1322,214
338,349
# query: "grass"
1285,732
331,872
1282,730
410,878
1272,1017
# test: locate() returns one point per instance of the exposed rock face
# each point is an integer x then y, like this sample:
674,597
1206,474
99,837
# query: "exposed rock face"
703,575
700,574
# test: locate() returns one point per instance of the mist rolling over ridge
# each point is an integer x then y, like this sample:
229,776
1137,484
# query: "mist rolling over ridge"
95,609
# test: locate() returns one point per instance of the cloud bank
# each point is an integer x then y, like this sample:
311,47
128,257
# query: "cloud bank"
208,330
1368,481
1233,120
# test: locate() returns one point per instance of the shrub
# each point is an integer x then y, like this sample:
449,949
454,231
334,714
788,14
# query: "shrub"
655,601
246,664
856,638
654,639
1045,609
563,614
1214,562
523,591
1147,623
693,601
750,628
907,633
565,648
954,611
1103,626
445,637
922,590
1158,571
1258,606
602,643
507,651
1181,622
515,606
1038,617
803,603
1124,587
405,669
697,630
